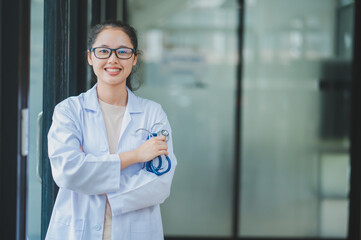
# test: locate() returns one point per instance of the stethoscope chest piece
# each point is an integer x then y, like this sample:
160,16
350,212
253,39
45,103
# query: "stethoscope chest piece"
165,133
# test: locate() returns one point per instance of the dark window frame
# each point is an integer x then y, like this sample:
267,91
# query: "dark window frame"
354,224
55,88
65,74
14,87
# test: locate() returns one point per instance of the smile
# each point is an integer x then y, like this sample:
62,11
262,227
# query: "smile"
112,69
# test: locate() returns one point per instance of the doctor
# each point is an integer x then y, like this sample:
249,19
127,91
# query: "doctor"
97,155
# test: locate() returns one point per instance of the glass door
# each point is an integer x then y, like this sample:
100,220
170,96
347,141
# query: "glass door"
35,109
296,81
189,65
295,108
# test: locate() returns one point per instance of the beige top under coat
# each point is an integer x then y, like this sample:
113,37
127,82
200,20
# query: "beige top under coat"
113,118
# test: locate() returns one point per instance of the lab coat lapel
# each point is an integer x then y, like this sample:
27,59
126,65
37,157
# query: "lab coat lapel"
126,120
133,106
91,103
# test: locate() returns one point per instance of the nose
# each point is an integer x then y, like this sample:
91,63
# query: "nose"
113,57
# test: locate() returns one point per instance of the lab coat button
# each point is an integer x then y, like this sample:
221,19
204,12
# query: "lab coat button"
97,227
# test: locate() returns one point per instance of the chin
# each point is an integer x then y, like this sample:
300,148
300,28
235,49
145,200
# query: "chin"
114,82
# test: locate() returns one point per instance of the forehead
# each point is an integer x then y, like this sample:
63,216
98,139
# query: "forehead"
113,37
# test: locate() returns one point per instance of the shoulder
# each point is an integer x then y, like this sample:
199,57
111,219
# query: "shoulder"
145,105
149,104
70,104
76,104
71,108
152,112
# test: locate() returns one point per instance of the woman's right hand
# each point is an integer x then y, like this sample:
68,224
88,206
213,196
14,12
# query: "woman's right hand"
151,149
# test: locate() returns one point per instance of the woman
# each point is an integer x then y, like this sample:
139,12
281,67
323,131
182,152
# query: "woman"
97,155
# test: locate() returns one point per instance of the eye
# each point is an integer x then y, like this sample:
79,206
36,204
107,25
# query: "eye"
103,50
124,51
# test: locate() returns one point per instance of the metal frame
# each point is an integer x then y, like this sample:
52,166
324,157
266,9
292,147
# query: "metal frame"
354,226
55,88
238,130
78,64
103,10
65,74
111,9
95,12
14,76
125,11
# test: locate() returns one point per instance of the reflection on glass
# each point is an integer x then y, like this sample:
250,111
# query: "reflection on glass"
189,65
295,133
35,107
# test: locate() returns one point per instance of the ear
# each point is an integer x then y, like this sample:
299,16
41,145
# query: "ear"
135,59
90,61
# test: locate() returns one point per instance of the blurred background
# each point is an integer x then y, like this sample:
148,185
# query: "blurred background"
258,93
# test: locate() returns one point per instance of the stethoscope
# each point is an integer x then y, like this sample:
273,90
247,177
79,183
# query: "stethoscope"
149,166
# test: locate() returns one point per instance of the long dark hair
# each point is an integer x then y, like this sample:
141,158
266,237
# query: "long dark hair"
127,29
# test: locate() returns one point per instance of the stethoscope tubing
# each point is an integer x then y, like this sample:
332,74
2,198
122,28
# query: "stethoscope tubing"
149,166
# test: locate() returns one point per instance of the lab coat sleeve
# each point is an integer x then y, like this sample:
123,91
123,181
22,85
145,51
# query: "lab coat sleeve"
144,189
71,167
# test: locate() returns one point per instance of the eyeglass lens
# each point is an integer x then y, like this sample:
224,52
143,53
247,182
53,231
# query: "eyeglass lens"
123,53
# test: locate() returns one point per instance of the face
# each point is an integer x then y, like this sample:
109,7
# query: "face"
112,71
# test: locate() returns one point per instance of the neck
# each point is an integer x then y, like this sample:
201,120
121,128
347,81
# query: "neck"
115,95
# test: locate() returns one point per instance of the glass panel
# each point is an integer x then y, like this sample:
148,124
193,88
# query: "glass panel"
189,65
35,106
295,118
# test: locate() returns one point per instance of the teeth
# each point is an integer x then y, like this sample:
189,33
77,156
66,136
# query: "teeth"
113,70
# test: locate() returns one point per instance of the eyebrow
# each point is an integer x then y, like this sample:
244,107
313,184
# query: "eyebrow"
121,46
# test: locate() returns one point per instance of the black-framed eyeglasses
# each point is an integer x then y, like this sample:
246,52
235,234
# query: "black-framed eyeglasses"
122,53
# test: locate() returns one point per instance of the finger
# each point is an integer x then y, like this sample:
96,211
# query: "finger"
162,145
162,152
161,137
157,139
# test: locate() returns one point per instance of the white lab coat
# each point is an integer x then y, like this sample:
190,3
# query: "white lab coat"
134,193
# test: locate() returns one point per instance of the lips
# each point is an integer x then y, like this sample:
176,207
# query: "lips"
112,69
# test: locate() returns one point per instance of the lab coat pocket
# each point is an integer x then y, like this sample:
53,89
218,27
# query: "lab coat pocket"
65,227
141,230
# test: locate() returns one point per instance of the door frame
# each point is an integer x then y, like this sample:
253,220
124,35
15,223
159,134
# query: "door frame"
14,90
354,231
65,74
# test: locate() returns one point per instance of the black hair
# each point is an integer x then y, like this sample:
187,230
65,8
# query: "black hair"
127,29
